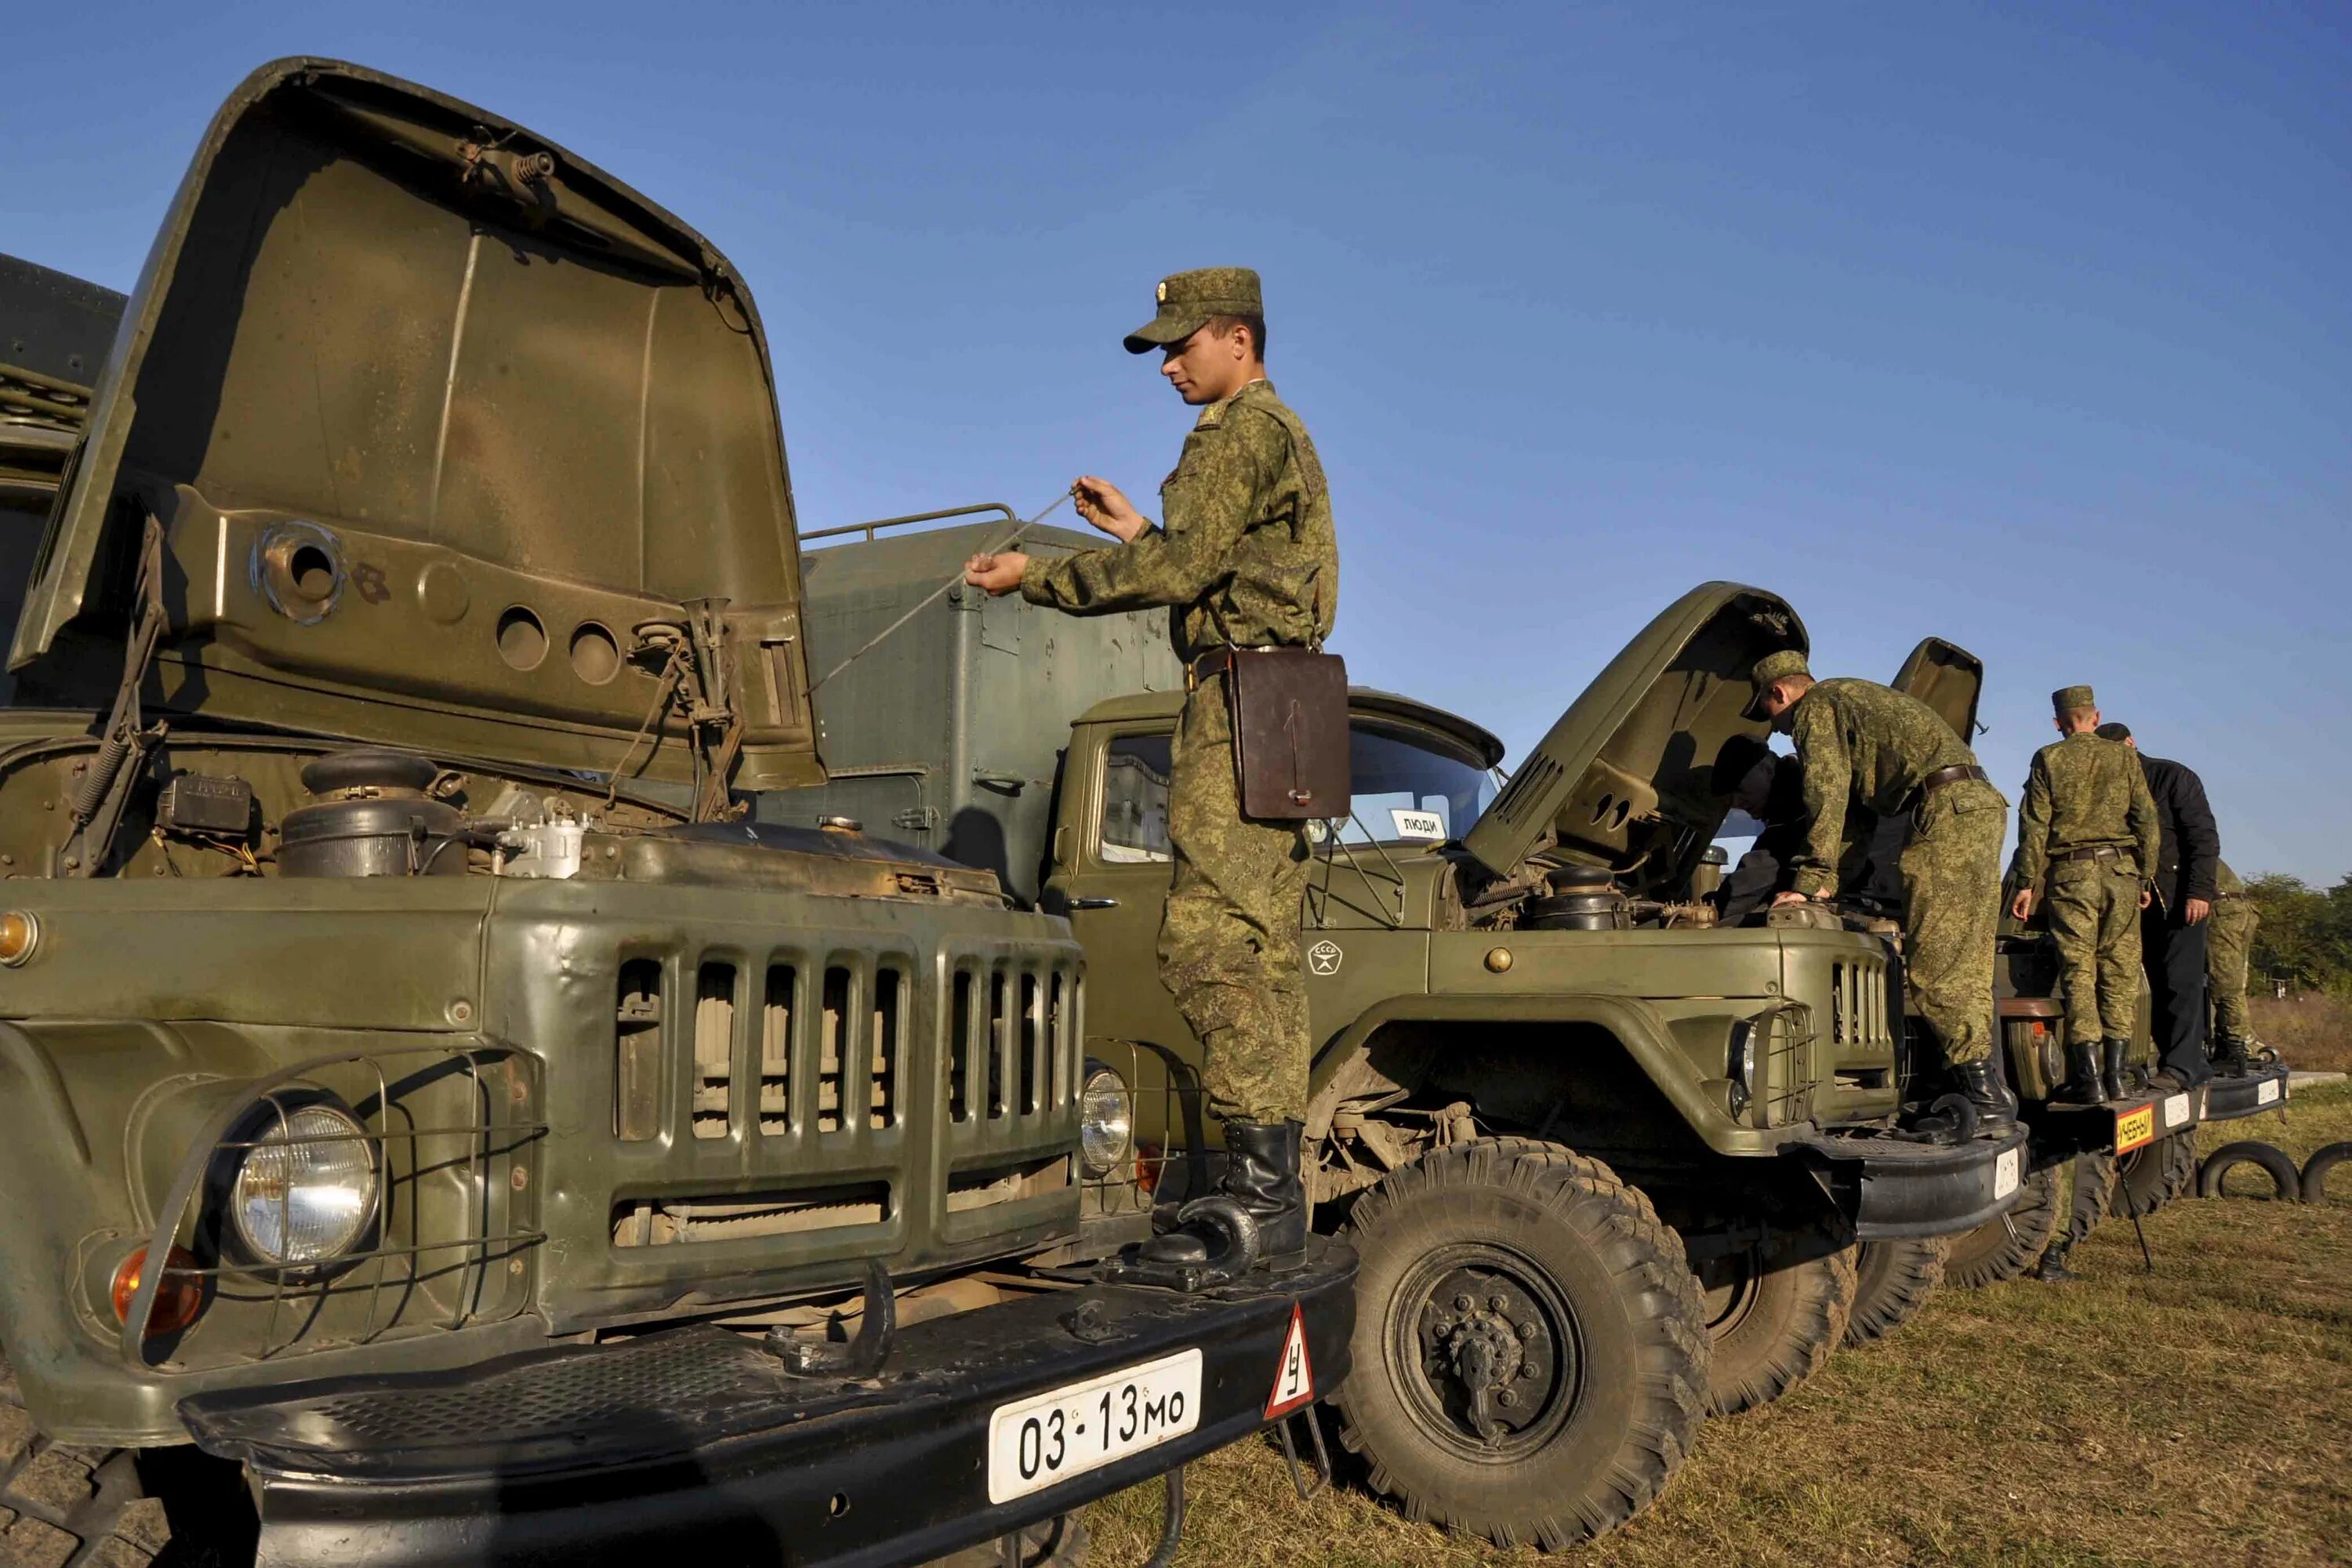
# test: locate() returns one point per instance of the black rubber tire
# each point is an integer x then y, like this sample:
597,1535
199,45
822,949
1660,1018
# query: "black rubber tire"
1625,1421
2251,1151
1893,1280
1775,1313
2091,1193
2153,1175
2315,1169
2007,1245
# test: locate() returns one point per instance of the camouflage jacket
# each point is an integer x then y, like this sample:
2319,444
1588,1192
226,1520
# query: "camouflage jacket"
1245,554
2080,792
1862,743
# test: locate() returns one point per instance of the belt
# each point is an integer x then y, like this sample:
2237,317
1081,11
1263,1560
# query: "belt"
2095,852
1952,774
1215,662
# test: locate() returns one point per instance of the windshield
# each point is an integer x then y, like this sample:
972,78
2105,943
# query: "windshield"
1412,784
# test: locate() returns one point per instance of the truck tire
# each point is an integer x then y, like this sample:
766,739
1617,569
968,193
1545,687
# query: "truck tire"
1893,1280
1600,1324
2006,1246
2273,1159
2315,1169
2153,1175
1774,1315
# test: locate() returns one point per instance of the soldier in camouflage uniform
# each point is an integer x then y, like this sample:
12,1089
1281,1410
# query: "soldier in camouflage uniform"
1868,745
2089,823
2229,946
1243,557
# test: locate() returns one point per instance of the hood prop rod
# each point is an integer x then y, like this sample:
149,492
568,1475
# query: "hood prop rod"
97,806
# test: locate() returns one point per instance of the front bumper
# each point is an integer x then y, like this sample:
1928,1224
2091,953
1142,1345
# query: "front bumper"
1891,1188
698,1438
2228,1098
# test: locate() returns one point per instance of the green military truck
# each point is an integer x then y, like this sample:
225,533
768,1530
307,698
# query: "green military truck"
438,1128
1606,1164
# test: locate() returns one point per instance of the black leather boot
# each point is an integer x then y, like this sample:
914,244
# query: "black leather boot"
2051,1268
1261,1181
2082,1085
2114,1051
2232,1057
1982,1083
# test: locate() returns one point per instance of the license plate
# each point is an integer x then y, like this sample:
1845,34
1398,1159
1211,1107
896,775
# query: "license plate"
1046,1438
2005,1171
2267,1092
2176,1110
2135,1129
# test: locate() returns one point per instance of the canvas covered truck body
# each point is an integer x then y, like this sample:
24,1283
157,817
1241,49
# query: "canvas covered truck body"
417,1086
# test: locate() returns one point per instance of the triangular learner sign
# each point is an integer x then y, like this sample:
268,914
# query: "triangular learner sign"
1294,1376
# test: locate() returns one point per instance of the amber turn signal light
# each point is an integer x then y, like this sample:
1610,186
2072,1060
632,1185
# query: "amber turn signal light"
179,1297
19,934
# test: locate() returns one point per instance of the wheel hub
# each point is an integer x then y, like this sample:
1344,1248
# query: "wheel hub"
1485,1347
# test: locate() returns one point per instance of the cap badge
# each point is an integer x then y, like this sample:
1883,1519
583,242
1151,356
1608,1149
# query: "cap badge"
1162,296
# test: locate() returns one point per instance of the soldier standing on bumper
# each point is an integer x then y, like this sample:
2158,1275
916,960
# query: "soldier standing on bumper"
1867,744
2089,823
2172,928
2228,945
1244,556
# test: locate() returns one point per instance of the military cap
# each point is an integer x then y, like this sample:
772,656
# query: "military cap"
1773,667
2111,730
2067,699
1187,300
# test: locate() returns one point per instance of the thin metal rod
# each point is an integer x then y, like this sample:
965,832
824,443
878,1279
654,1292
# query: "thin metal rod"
1007,542
868,527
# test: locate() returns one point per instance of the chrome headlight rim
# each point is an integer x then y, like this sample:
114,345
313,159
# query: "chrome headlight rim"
255,1131
1739,1064
1099,1158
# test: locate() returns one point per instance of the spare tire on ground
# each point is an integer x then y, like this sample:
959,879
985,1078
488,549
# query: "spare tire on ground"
2274,1160
2315,1169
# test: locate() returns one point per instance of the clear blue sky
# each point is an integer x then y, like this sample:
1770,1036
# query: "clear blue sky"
2027,326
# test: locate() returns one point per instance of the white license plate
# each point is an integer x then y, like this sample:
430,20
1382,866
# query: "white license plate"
2005,1171
2267,1092
1037,1442
2176,1110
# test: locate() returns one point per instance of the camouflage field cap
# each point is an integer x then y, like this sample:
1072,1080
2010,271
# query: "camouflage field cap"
1187,300
1770,668
2066,699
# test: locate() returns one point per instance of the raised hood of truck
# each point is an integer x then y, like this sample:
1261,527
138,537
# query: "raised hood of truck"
1633,775
435,415
1949,678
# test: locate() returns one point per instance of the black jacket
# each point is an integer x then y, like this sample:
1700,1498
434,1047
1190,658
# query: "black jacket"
2192,845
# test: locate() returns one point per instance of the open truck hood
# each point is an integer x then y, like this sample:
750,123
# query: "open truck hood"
1628,776
1949,678
433,413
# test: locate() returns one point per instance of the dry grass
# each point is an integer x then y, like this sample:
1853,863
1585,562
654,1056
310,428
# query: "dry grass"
2200,1414
2312,1031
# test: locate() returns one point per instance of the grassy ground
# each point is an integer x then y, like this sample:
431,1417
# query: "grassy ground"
2313,1031
2200,1414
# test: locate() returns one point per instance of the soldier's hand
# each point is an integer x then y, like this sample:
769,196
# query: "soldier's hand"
1103,504
998,573
2145,897
1781,901
2195,910
2021,906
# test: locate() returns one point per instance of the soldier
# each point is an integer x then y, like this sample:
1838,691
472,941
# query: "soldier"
2229,944
1244,556
1868,745
2172,928
2089,823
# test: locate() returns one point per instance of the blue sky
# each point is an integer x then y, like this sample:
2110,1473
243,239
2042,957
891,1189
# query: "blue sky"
2023,326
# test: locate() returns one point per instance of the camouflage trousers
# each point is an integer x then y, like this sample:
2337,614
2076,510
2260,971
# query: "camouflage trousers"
1229,939
1951,897
2229,945
2093,907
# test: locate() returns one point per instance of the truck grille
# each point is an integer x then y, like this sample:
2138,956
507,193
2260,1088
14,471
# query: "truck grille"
1858,1007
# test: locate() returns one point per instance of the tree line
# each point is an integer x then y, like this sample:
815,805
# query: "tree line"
2306,937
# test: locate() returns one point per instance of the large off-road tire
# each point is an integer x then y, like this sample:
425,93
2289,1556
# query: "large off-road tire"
2006,1246
1775,1312
1893,1280
2153,1175
1598,1343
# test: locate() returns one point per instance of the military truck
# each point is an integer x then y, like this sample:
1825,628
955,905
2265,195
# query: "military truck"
438,1128
1606,1164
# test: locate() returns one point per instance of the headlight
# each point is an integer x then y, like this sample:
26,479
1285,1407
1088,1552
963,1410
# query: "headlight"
1741,1068
1106,1121
306,1190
